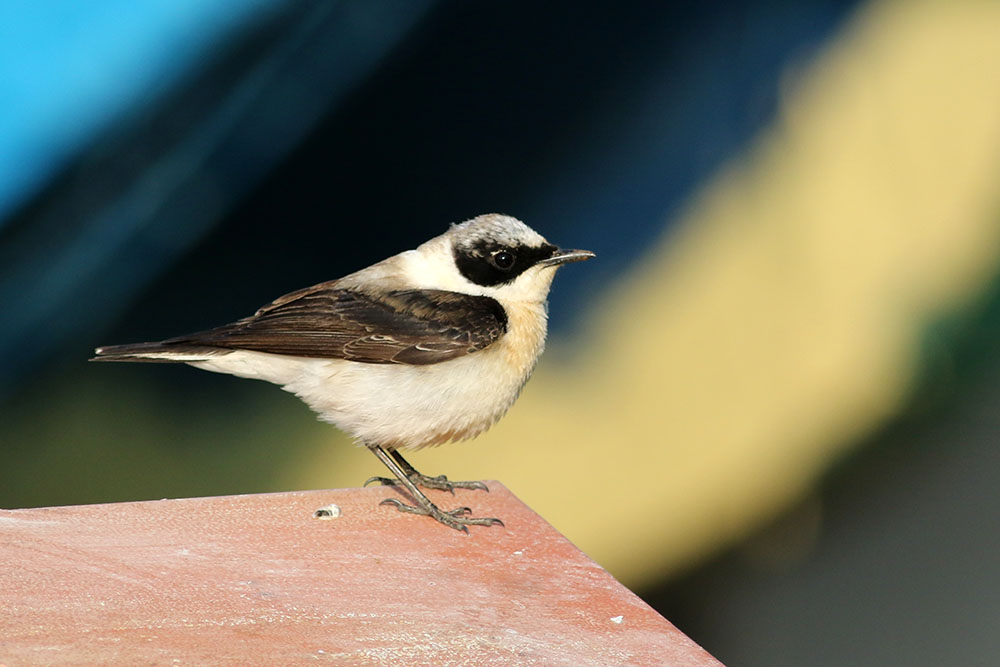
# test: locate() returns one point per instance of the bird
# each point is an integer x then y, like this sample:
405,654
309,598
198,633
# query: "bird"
428,346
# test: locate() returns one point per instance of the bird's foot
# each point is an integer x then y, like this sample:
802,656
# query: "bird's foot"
455,518
440,482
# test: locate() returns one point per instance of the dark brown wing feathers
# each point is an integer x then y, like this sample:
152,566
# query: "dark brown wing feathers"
406,326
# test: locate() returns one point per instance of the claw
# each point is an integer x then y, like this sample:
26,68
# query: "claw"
408,477
452,518
439,482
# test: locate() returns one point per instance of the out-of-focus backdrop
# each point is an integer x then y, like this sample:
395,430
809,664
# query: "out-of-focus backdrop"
770,406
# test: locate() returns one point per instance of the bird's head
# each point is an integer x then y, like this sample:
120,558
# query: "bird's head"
499,256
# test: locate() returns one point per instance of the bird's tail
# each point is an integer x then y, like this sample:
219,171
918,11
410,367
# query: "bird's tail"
162,352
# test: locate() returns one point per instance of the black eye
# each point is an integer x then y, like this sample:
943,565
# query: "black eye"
502,259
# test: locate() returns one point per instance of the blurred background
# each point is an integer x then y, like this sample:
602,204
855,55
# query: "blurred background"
769,407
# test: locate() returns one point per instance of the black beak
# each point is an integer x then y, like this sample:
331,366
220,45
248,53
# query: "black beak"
566,256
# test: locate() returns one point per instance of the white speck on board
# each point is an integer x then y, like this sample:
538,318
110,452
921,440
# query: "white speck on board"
327,512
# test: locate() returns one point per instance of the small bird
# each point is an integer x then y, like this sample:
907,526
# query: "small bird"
428,346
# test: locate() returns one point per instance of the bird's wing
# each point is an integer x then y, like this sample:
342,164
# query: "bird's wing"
404,327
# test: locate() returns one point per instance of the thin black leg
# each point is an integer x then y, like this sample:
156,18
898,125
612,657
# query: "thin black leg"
439,482
452,518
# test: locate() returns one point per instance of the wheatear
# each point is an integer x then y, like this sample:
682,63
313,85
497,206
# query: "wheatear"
428,346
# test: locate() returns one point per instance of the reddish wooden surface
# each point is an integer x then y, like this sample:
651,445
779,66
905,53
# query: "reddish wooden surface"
243,580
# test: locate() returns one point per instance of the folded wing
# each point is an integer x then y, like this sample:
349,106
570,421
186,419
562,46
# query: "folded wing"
405,327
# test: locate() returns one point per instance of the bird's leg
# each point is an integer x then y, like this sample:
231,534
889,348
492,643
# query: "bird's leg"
439,482
455,518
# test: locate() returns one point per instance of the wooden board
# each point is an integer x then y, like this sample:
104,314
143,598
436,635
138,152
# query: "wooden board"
244,580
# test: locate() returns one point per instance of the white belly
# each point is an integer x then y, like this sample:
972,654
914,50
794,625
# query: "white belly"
401,406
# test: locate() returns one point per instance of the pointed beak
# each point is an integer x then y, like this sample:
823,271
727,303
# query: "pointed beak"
566,256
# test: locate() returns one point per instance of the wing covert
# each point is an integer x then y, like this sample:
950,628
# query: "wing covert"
406,326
